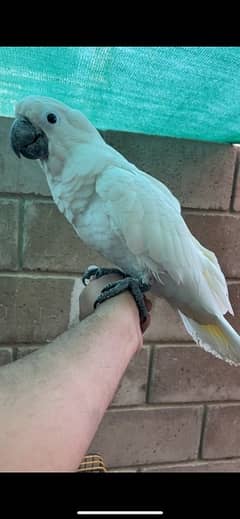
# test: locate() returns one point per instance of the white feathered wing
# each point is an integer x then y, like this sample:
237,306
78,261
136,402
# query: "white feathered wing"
147,217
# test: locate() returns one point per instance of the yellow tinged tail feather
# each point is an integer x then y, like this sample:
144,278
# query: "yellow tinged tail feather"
218,338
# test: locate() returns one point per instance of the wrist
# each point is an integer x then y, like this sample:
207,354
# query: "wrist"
91,293
119,313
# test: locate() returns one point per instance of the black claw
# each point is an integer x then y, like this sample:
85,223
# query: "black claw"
98,272
135,286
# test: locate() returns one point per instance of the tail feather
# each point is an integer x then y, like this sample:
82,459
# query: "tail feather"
219,338
214,277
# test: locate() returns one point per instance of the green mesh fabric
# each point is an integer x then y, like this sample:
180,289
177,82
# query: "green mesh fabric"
188,92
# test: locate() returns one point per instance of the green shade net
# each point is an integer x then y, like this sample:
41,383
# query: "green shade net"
188,92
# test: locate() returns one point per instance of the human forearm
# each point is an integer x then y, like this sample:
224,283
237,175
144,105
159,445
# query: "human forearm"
51,402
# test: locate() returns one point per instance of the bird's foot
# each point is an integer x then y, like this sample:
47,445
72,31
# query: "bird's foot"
136,288
94,272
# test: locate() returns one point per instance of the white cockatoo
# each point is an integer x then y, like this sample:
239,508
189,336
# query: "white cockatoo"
130,218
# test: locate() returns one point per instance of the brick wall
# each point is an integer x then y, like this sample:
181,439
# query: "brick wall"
177,407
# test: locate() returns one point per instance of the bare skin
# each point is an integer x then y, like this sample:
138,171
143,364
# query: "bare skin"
52,401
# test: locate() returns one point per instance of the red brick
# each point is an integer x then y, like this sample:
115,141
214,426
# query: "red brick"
148,435
222,432
201,466
34,309
18,176
189,374
221,234
50,242
132,389
200,174
6,355
9,210
166,325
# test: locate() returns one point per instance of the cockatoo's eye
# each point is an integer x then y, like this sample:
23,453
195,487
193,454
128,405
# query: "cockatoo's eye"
52,118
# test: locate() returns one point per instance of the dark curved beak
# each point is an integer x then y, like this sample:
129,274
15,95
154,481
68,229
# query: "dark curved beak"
27,140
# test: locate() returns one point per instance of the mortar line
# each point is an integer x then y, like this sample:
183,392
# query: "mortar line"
200,447
20,233
234,183
149,374
26,196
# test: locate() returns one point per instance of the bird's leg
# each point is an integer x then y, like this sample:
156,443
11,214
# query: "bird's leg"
94,272
137,289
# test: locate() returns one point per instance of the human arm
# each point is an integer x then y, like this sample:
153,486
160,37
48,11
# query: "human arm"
52,401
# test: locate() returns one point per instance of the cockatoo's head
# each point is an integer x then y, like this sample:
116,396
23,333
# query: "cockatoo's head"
43,123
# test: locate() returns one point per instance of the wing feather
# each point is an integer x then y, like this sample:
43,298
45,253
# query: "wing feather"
147,217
